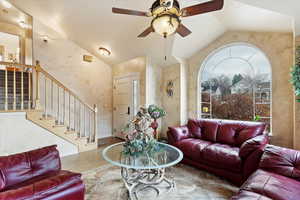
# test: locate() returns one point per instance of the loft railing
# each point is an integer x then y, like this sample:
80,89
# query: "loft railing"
15,86
26,87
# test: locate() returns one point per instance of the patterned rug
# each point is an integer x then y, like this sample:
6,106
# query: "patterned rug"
105,183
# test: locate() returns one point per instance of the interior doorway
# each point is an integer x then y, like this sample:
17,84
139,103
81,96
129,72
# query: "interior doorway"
126,95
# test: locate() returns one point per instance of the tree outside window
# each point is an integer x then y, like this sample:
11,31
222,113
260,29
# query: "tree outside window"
235,83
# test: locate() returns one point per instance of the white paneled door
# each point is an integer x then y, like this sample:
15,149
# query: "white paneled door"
125,102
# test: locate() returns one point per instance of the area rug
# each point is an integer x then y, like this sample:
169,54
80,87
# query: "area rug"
105,183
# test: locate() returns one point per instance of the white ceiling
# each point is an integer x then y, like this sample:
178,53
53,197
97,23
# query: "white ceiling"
287,7
91,25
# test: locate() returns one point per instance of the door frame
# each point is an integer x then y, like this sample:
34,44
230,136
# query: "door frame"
135,76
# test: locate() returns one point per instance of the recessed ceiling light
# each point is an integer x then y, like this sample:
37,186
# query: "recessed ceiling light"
6,4
104,51
45,38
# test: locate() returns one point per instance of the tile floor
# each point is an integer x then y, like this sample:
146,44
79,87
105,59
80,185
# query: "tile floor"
85,161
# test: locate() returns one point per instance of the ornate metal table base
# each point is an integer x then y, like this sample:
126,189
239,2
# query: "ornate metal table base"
138,180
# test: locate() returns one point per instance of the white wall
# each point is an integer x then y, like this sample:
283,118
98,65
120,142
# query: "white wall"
17,134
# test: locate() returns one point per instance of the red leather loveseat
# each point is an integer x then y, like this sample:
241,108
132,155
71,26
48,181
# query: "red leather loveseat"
231,149
278,177
37,175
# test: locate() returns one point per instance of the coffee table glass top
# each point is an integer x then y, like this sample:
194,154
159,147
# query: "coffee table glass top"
167,156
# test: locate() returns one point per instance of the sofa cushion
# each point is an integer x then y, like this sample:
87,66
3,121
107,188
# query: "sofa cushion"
237,132
246,195
38,188
179,133
194,128
281,161
228,131
192,147
249,130
209,129
18,168
273,186
222,156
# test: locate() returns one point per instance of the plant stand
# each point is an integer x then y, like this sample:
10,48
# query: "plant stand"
139,180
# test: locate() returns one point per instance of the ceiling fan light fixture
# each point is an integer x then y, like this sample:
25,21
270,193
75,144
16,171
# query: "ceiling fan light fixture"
104,52
165,25
6,4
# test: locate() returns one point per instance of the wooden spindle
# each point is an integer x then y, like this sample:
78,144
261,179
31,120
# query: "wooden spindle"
45,96
84,124
74,113
95,124
51,98
29,90
22,89
6,90
79,122
64,106
58,121
69,111
90,126
37,86
15,90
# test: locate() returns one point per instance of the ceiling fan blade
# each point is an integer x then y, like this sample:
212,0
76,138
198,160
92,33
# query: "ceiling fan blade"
146,32
129,12
206,7
183,31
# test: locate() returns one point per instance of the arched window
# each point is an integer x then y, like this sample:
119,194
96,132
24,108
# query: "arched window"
235,82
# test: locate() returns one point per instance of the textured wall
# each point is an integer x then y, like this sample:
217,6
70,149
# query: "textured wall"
136,65
279,49
15,139
171,104
92,82
297,112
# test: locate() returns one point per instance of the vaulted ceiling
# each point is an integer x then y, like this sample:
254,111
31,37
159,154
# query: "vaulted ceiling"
91,24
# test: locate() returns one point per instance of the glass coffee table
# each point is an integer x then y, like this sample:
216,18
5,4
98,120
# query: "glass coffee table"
144,171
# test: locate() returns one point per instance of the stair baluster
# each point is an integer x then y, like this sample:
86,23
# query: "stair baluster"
21,89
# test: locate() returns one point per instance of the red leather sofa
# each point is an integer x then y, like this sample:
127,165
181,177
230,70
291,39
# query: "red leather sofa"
278,177
231,149
36,175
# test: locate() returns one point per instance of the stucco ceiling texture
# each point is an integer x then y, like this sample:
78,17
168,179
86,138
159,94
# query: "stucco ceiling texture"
91,24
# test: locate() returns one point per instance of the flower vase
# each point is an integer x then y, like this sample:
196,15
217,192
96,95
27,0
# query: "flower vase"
154,126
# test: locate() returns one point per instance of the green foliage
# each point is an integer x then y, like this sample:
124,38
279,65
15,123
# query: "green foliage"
156,112
295,75
257,118
236,78
140,147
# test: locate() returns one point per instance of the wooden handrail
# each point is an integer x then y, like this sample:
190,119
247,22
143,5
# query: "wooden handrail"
48,75
17,64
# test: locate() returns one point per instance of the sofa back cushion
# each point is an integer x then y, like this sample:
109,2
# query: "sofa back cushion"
20,167
235,133
281,161
203,129
194,127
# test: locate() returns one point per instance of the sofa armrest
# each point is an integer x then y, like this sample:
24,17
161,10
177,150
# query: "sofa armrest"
251,145
251,152
175,134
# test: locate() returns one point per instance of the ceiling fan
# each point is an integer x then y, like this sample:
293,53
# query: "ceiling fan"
167,16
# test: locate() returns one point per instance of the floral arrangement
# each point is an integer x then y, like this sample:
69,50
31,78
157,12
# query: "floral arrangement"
139,139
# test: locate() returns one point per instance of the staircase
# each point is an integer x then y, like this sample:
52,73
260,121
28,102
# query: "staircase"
48,104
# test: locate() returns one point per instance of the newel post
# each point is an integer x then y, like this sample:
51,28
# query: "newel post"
37,86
